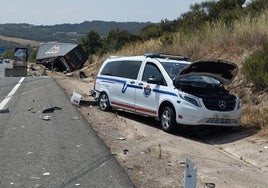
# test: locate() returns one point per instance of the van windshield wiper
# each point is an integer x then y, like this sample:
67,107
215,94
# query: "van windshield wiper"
191,83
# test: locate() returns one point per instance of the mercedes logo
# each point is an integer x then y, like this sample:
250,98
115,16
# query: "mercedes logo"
222,105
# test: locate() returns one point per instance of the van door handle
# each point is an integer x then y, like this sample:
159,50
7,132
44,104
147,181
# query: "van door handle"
132,82
140,84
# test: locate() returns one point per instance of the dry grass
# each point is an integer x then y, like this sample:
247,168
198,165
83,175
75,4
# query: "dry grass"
20,41
256,117
217,41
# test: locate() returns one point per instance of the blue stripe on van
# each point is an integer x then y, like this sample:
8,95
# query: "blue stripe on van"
125,86
112,79
165,92
134,86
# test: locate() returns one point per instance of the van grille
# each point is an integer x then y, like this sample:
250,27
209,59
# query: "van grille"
220,102
221,121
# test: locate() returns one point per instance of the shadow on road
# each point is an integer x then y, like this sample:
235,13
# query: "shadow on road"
206,134
86,103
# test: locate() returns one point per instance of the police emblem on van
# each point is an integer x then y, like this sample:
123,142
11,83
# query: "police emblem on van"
147,90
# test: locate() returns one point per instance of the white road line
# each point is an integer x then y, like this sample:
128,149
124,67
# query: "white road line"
11,93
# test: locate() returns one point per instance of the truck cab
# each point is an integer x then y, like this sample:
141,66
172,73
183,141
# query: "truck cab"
20,57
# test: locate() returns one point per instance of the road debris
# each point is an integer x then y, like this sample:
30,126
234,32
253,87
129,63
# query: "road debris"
76,97
46,174
46,118
36,178
82,74
51,109
210,185
160,151
33,110
121,138
5,110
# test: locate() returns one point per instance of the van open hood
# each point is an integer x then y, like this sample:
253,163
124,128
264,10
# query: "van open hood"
222,70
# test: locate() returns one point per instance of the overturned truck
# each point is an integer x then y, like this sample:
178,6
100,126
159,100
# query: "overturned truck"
61,56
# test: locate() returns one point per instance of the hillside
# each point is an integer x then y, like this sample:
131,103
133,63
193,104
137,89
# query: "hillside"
66,32
20,41
216,41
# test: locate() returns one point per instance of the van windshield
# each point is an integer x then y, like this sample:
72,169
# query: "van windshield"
173,68
197,79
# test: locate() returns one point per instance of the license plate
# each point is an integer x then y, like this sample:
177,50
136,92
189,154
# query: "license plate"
220,116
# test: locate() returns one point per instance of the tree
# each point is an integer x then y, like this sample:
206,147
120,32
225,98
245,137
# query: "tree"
150,31
91,42
8,54
116,39
194,19
255,67
32,54
226,10
257,6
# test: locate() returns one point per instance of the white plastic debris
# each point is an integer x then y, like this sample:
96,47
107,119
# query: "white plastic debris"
34,177
121,138
76,97
46,118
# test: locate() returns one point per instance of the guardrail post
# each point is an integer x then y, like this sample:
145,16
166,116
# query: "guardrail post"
189,174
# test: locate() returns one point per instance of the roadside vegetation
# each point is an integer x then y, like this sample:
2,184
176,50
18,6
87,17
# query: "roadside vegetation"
225,29
211,30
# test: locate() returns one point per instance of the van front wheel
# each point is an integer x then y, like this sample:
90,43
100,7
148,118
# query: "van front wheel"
104,103
168,121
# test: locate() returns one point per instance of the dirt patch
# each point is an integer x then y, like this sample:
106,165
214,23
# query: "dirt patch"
227,157
20,41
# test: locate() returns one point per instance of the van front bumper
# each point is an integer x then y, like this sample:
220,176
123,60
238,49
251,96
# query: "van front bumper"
94,94
200,116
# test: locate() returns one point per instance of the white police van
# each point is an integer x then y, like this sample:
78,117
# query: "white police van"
169,88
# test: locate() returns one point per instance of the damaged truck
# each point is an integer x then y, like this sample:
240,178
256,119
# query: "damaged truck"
61,56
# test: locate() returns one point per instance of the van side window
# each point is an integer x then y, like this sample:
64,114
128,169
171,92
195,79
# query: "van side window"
152,70
129,69
124,69
111,69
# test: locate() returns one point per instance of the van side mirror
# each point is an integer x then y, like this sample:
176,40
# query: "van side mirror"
153,80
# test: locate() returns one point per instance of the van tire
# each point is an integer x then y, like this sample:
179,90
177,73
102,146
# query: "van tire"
167,118
104,103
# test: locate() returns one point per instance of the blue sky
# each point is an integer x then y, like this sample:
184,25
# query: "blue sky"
50,12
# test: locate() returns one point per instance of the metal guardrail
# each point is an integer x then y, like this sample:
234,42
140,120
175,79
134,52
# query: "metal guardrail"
190,176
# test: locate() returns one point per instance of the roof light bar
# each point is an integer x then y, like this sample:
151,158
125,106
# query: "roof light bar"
167,56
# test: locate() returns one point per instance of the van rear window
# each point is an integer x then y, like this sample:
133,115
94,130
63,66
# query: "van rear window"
124,69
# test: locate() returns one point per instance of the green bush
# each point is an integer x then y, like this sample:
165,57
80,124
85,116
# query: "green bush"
255,68
167,39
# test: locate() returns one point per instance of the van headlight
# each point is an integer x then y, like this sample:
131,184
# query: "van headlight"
191,99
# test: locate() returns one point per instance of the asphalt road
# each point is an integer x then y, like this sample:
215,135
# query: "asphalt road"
61,152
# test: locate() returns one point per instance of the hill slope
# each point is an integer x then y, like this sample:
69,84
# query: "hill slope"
66,32
23,42
217,41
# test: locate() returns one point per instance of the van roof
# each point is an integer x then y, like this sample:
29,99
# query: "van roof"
157,56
